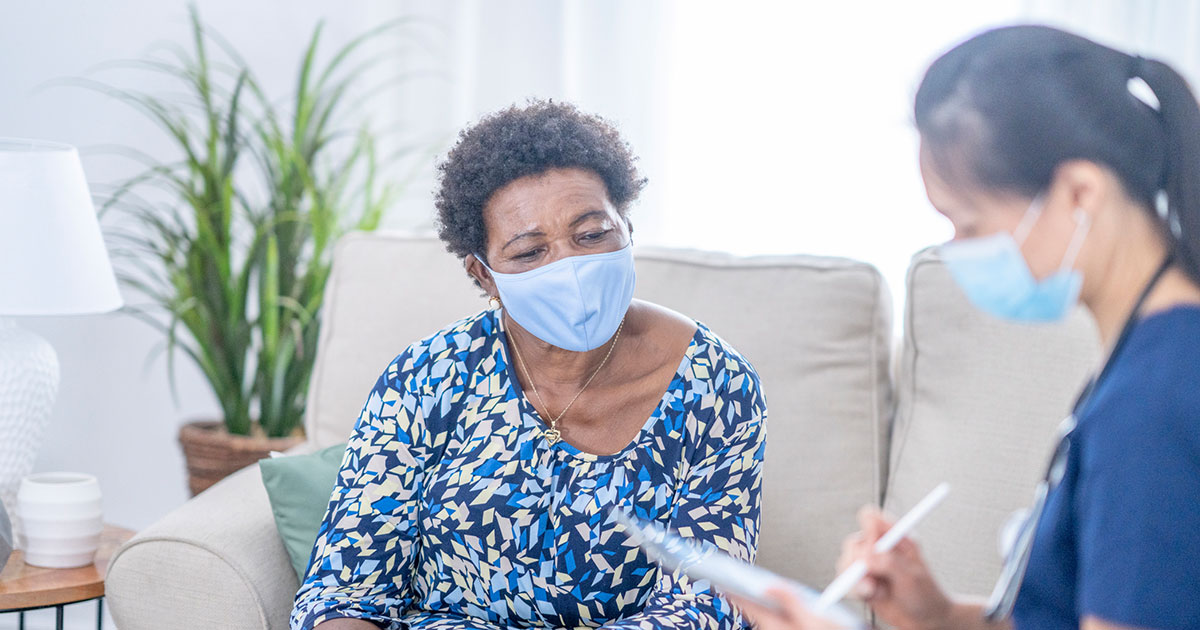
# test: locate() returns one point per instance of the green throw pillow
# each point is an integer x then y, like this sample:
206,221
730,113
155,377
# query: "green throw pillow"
299,487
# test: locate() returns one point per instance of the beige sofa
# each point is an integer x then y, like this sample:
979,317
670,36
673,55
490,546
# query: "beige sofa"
968,400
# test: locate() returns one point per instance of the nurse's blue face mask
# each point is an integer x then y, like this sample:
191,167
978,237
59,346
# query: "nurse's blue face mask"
575,303
996,279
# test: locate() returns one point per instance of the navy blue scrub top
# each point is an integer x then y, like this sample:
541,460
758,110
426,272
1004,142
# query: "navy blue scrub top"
1120,538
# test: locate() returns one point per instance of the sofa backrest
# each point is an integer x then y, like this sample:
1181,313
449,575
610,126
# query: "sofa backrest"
978,405
385,291
816,329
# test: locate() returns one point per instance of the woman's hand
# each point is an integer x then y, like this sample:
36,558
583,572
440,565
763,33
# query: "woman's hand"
898,586
792,614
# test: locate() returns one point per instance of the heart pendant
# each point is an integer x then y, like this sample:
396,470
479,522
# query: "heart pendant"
552,435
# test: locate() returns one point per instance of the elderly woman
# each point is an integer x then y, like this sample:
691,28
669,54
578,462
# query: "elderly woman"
477,487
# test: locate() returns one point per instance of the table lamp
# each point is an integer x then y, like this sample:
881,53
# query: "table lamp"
52,262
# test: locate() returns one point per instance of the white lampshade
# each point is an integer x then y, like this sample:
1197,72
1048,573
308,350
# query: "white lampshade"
52,256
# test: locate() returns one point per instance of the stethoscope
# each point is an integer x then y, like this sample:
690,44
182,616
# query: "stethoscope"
1020,545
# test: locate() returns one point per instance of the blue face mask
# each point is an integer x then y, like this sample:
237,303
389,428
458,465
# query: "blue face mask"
575,303
995,277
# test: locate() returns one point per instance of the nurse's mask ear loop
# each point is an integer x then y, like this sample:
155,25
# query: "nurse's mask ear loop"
1029,220
1083,224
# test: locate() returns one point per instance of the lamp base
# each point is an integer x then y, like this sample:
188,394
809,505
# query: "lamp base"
7,542
28,385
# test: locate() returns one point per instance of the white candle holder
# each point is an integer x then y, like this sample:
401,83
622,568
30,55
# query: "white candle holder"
61,519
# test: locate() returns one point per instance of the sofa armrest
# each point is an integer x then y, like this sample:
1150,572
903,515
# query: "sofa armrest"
215,562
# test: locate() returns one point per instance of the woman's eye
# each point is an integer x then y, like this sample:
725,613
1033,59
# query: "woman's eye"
529,255
595,236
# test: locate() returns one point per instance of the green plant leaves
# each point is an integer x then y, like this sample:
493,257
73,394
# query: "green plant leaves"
234,279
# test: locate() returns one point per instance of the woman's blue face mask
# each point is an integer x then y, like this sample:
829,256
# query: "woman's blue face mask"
575,303
996,278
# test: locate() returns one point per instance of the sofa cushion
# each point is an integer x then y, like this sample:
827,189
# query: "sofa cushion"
299,488
978,403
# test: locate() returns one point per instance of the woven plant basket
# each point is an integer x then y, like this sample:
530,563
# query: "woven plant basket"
212,453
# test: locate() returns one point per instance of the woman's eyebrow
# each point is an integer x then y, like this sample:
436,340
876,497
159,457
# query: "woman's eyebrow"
579,219
521,236
588,215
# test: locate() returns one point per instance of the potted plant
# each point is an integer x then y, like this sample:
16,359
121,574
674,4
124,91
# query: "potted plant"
232,244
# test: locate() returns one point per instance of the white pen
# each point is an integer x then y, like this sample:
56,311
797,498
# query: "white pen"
840,586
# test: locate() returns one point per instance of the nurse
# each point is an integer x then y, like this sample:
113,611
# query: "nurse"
1071,174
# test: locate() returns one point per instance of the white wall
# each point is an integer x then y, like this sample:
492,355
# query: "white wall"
115,417
607,57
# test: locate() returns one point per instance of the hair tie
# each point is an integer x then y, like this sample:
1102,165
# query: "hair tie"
1138,87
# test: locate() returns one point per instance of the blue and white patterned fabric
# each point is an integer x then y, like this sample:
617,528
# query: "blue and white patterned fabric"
452,511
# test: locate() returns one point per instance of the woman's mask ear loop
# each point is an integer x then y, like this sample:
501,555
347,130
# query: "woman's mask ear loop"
1083,224
493,301
1029,220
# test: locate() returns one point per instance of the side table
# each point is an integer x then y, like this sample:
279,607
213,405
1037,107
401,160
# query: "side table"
24,588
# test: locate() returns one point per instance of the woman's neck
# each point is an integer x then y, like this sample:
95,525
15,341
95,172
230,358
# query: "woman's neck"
1113,301
1123,278
549,365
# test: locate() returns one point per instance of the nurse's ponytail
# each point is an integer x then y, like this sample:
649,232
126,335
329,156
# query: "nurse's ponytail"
1181,120
1005,108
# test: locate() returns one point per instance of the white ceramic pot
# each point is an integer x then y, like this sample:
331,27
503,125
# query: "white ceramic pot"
61,517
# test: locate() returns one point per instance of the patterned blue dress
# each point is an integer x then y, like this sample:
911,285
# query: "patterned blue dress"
451,510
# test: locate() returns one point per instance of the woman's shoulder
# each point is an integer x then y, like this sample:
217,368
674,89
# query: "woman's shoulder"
1149,394
1172,330
434,357
720,384
1162,353
714,359
723,391
706,349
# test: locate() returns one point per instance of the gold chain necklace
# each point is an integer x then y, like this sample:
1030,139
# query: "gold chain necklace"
552,434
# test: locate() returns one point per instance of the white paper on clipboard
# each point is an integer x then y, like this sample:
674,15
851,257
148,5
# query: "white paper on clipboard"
724,572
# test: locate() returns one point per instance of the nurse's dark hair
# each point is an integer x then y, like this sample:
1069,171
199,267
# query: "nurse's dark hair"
1005,108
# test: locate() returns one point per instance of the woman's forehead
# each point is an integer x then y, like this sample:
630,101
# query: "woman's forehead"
554,182
559,195
941,195
951,194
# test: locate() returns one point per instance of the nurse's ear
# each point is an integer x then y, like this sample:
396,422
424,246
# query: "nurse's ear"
1082,185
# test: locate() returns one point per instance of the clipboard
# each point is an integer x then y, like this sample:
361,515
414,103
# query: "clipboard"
725,573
